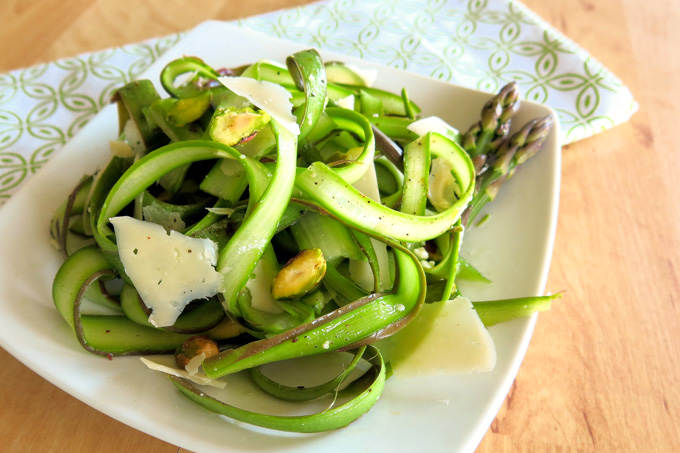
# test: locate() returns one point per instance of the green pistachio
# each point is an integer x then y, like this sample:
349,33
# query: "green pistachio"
193,347
300,276
230,126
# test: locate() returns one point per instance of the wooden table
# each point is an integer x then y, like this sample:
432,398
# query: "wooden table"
603,369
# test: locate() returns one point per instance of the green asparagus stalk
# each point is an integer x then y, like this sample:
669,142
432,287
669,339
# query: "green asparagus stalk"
513,152
488,133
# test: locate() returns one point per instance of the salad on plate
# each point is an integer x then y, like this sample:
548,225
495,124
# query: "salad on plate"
270,213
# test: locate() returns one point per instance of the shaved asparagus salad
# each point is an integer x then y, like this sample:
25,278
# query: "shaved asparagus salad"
272,212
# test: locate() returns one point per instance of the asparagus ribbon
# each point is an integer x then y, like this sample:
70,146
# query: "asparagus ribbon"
369,388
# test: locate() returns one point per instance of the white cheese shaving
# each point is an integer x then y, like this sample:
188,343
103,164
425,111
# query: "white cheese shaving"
198,378
260,286
267,96
446,338
367,75
221,211
168,271
433,124
194,364
133,137
360,270
442,187
421,253
346,102
120,149
184,79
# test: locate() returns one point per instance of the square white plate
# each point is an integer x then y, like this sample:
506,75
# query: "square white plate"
451,414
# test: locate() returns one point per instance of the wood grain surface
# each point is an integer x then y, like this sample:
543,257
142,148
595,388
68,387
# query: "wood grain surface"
602,371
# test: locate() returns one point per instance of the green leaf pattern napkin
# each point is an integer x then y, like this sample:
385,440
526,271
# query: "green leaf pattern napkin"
480,44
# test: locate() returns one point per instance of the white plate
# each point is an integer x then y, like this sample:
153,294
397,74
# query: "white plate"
451,414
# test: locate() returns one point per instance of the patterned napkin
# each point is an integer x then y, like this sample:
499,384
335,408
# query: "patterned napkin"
480,44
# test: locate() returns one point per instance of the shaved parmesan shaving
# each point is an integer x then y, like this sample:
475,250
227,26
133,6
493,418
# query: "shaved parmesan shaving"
367,75
198,378
168,271
221,211
359,269
133,137
346,102
442,186
267,96
184,79
120,149
421,253
194,364
260,286
446,338
433,124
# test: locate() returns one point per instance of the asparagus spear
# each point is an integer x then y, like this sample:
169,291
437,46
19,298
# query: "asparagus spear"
487,134
512,152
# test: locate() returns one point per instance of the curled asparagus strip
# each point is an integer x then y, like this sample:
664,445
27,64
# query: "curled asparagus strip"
192,65
147,171
307,70
321,185
103,335
74,205
289,393
357,124
333,418
238,259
